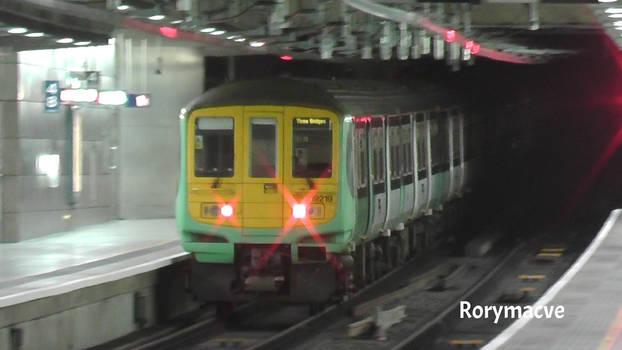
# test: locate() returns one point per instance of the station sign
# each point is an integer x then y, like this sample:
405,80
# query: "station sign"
52,96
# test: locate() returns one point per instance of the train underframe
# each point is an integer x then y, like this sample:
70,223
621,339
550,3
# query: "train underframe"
267,272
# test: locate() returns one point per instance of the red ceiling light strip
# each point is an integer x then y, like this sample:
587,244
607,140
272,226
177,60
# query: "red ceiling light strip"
475,48
400,16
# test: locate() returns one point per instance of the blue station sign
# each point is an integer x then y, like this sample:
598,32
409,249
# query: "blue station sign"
52,96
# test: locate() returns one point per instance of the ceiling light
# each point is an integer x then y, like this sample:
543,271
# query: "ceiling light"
208,30
257,43
82,43
35,35
65,41
615,15
239,40
157,17
607,0
123,7
231,37
613,10
17,30
218,32
178,21
617,23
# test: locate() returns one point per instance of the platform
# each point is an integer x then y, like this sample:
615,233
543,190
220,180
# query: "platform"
82,288
84,257
591,293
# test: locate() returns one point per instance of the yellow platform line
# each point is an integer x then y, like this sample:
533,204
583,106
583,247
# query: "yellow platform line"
552,250
614,332
552,255
527,289
531,277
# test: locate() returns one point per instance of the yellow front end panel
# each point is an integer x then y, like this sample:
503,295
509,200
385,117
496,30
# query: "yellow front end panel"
262,202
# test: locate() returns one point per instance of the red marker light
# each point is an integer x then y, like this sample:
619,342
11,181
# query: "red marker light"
475,49
299,211
286,58
169,32
226,210
450,36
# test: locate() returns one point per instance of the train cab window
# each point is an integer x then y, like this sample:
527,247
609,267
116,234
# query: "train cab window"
313,147
213,147
263,150
422,147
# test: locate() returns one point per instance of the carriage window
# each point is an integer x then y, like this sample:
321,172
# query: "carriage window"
313,147
263,147
213,147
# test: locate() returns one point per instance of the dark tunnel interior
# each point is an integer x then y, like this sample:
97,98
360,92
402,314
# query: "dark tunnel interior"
553,149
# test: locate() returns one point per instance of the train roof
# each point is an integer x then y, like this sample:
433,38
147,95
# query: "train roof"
354,97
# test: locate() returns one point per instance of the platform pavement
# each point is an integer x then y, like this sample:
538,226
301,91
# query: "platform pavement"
591,293
84,257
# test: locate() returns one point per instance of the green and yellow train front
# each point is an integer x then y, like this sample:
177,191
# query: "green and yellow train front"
263,202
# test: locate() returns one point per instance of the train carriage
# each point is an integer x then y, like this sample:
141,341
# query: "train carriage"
294,189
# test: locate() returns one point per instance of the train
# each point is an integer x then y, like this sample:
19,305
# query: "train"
300,190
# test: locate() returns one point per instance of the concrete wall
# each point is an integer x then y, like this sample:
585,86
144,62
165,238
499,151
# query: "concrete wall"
30,207
149,138
94,315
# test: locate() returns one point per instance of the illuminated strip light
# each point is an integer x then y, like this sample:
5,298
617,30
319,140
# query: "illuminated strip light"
112,98
78,95
613,10
138,100
398,15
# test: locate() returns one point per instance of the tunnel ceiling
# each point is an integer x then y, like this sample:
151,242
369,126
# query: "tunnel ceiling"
521,31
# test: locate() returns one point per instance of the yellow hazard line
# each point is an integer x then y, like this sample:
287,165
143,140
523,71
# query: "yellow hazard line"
531,277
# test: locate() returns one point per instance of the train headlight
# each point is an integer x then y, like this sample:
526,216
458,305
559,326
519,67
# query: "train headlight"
226,210
299,211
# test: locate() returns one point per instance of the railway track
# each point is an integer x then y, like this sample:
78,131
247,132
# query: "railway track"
265,326
429,287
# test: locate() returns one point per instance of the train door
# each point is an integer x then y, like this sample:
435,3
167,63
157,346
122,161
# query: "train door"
439,156
311,166
378,169
361,155
214,173
422,163
395,170
262,154
407,162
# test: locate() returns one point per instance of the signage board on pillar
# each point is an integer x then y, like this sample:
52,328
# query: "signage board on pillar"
52,96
